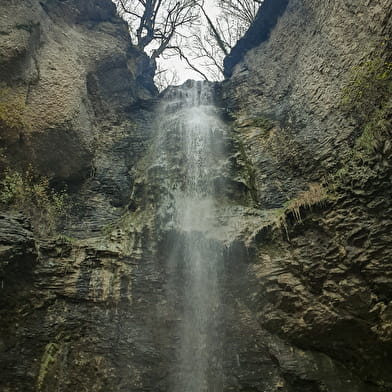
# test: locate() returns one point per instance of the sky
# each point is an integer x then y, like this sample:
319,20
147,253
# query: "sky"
175,66
181,67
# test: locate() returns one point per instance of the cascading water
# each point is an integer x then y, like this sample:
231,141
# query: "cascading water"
190,125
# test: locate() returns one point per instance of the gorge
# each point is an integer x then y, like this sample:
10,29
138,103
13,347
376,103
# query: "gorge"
231,236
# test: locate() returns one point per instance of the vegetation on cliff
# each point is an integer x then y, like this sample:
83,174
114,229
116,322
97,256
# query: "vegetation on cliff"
12,108
367,99
31,193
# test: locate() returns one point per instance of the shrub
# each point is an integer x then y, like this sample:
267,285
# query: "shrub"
32,193
315,195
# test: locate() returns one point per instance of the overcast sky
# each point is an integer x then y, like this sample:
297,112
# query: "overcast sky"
181,67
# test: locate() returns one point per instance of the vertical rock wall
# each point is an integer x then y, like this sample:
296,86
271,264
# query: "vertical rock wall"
303,223
320,272
71,103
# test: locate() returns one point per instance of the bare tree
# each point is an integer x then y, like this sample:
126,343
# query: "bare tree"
154,24
165,77
209,47
167,28
244,11
205,51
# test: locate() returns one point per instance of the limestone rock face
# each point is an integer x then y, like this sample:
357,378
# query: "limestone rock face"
71,104
321,284
303,220
72,80
294,79
18,258
68,67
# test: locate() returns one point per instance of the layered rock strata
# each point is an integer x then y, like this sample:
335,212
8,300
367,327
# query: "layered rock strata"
303,224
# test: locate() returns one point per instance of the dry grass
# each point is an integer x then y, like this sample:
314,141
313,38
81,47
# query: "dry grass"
315,195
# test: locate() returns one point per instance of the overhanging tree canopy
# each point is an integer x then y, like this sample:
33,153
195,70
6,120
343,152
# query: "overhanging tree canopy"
154,24
167,28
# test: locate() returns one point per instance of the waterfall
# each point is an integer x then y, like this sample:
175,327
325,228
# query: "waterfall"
191,128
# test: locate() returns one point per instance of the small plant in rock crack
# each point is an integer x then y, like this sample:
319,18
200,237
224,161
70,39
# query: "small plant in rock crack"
33,194
316,194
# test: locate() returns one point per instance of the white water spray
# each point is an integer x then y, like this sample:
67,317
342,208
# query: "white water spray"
189,117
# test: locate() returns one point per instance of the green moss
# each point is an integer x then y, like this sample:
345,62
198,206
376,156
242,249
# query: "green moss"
48,359
66,239
342,172
365,141
372,143
369,84
249,172
367,98
376,129
12,109
263,122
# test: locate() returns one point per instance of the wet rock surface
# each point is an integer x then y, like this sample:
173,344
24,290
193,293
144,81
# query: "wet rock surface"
306,291
321,283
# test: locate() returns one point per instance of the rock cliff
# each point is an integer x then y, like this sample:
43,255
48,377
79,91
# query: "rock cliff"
304,184
70,81
323,285
71,105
